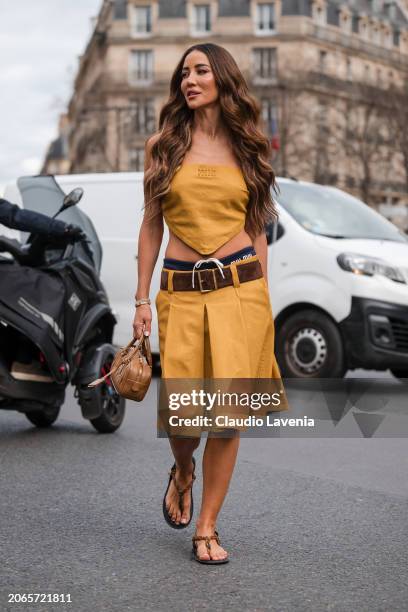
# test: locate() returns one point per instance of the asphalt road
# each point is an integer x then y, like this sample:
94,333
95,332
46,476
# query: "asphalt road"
310,524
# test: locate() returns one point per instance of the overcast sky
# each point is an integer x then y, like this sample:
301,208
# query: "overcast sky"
40,41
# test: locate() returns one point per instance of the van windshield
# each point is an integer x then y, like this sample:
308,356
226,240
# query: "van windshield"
328,211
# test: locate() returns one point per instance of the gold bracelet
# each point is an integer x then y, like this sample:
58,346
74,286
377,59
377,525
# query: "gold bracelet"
142,301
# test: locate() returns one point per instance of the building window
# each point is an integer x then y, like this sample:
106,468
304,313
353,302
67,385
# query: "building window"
346,23
367,73
388,38
141,66
322,115
349,72
376,35
396,38
270,117
265,17
364,31
322,61
265,63
136,159
319,15
120,9
201,18
141,117
269,114
141,20
355,24
333,15
172,9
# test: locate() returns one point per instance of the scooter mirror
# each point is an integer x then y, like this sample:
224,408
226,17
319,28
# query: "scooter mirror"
72,198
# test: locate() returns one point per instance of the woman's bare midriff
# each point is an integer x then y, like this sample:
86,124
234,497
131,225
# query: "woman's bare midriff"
177,249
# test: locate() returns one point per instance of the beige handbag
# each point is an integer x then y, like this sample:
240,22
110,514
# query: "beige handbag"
131,370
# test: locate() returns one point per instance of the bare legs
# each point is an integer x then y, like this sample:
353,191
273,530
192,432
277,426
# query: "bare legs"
218,465
182,451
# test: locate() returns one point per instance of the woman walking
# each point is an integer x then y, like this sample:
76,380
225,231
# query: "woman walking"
207,173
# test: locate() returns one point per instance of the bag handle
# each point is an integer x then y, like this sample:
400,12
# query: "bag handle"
143,341
134,342
146,342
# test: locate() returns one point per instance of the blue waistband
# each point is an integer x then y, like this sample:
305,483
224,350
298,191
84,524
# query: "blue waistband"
180,264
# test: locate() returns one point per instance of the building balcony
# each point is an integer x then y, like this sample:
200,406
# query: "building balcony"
353,42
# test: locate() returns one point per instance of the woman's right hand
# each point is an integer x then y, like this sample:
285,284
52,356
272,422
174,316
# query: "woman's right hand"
142,321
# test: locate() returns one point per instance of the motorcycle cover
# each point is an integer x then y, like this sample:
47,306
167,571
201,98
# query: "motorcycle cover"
32,301
47,305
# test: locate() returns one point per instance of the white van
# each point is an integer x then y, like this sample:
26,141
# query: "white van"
338,273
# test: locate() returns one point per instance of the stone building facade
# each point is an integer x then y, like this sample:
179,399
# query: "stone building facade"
56,159
324,72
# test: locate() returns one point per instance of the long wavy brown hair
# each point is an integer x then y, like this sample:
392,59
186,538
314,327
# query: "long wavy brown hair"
241,115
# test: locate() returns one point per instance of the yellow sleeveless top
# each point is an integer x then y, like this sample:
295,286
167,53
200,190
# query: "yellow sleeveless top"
206,205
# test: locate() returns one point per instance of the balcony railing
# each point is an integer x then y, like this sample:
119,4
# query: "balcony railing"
353,42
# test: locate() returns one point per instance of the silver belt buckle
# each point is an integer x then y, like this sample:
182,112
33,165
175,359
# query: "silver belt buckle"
200,281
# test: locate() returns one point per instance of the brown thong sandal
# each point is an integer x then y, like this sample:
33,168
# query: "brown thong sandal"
180,492
207,539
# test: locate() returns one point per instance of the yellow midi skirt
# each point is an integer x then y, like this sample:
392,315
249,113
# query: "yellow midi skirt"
227,333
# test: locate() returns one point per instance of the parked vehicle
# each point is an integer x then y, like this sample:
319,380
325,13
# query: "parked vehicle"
114,203
338,273
54,308
339,278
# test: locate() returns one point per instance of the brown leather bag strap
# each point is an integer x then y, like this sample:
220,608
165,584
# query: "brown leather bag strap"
131,343
146,343
99,381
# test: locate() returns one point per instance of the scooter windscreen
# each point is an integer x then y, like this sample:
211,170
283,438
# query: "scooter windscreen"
44,195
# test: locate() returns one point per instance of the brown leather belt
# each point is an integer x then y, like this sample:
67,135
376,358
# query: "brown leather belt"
210,279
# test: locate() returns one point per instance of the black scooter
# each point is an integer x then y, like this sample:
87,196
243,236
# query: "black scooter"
51,298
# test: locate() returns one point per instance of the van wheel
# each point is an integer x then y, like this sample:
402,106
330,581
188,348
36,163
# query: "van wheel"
44,418
400,372
309,345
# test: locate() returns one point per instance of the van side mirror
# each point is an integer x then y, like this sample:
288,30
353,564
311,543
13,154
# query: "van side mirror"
274,231
269,233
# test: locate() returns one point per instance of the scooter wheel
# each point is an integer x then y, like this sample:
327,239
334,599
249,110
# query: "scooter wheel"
112,416
44,418
111,403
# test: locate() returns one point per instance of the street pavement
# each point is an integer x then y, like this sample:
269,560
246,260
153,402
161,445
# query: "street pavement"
310,524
